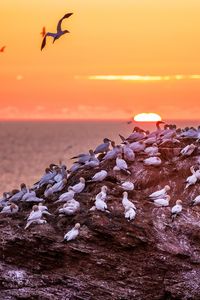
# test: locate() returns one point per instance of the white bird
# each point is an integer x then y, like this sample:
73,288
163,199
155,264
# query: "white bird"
137,146
103,193
59,186
130,213
99,204
79,187
188,150
127,203
162,202
59,32
18,196
99,176
70,208
152,151
152,161
73,233
111,154
66,196
11,208
121,164
128,152
36,216
191,180
42,207
196,200
128,186
176,209
49,191
34,199
160,193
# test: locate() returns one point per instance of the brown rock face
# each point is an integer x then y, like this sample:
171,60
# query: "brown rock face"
150,257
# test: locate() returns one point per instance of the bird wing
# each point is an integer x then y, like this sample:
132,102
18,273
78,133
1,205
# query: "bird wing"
44,39
60,22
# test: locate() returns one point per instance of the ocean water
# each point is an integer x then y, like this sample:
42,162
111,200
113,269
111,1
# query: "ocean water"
27,148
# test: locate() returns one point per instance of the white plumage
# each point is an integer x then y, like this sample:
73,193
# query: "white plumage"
73,233
160,193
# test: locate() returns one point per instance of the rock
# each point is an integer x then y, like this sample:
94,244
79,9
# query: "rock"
150,257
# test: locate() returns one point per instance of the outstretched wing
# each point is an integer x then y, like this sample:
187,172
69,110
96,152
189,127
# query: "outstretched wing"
44,39
60,22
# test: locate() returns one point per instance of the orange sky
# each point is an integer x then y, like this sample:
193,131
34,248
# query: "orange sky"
115,37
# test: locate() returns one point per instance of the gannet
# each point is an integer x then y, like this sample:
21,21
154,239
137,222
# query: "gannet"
160,193
128,152
130,213
66,196
73,233
92,162
127,203
188,150
75,167
197,174
11,208
137,134
28,194
99,176
196,200
121,164
104,147
152,151
152,161
47,178
103,193
35,216
59,186
42,207
2,49
176,209
191,180
127,186
83,157
162,201
4,199
70,208
79,187
59,32
49,191
111,154
100,203
137,146
151,140
18,196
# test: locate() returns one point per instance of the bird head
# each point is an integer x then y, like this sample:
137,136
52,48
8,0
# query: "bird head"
77,225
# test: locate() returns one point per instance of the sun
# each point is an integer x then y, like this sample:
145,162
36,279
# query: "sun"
147,117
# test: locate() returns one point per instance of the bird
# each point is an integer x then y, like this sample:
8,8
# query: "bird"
12,208
73,233
2,49
121,164
100,204
99,176
196,200
191,180
162,202
69,195
127,203
152,161
36,216
79,187
176,209
59,32
127,186
188,150
43,32
130,213
104,147
160,193
69,208
103,193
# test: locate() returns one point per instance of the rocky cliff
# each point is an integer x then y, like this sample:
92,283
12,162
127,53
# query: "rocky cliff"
151,257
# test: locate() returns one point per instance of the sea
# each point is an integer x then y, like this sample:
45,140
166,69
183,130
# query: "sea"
28,147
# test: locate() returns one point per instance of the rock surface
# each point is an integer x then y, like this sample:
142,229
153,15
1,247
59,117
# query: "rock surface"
150,257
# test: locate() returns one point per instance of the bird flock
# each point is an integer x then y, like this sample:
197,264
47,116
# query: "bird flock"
60,32
106,162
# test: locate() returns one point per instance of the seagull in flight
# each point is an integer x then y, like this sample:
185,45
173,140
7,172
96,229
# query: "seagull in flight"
43,32
2,49
59,32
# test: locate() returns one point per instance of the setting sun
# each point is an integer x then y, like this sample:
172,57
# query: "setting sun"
147,117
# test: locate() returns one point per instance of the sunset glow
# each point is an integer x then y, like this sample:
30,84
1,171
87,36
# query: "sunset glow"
103,68
147,117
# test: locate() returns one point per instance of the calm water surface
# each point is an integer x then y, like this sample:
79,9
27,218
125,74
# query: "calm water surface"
27,148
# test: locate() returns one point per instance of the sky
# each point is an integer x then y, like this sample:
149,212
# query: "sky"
120,58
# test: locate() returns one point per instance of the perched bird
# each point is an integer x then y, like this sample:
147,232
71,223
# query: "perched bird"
69,208
191,180
126,202
18,196
59,186
188,150
162,201
103,193
36,216
196,201
128,152
43,32
176,209
100,204
152,161
28,195
73,233
152,151
59,32
121,164
104,147
99,176
127,186
111,154
130,213
79,187
2,49
12,208
66,196
160,193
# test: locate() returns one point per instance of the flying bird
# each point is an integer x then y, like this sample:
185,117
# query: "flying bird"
59,32
43,32
2,49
